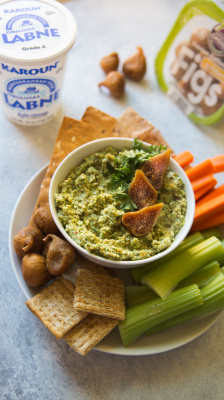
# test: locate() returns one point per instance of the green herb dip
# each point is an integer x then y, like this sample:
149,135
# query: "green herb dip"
89,209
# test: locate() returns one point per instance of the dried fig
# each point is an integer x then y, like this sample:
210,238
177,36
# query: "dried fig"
155,168
28,240
34,270
141,222
110,63
60,254
135,66
44,220
115,82
141,192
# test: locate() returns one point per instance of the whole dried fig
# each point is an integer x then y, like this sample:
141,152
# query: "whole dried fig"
34,270
135,66
44,220
115,82
110,63
28,240
59,253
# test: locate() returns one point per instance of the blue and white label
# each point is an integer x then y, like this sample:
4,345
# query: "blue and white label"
37,29
31,95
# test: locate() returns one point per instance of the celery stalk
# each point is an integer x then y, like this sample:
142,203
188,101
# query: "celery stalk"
207,233
166,277
138,294
213,300
188,242
144,316
202,276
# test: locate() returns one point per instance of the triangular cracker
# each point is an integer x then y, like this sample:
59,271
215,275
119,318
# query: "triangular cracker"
90,331
53,305
99,294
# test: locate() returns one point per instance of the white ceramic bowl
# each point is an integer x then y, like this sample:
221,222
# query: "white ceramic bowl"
75,158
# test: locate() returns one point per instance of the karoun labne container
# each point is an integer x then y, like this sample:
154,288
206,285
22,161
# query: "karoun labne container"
35,37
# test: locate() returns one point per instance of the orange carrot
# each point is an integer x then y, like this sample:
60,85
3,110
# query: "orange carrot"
217,219
209,209
200,182
211,195
218,163
204,189
184,159
200,170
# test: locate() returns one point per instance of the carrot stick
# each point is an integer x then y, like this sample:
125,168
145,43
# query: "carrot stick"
211,195
184,159
218,163
200,170
200,182
209,209
217,219
204,189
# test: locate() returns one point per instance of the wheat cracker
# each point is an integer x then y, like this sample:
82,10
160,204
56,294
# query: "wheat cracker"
53,305
90,331
99,294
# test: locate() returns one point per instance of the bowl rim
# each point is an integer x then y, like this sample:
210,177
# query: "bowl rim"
105,142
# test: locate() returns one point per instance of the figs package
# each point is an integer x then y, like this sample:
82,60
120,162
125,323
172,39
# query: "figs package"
190,64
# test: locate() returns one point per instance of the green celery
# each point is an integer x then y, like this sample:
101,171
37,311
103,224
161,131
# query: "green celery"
202,276
144,316
207,233
165,278
188,242
213,300
137,294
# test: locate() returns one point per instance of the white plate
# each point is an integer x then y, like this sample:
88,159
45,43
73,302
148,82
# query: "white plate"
157,343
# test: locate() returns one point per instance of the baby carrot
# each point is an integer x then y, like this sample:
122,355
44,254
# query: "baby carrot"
218,163
200,170
204,189
215,220
209,209
211,195
200,182
184,158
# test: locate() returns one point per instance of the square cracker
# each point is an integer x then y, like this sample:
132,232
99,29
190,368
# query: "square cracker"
53,305
99,294
83,263
90,331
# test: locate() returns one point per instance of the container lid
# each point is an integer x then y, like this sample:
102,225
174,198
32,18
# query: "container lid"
35,30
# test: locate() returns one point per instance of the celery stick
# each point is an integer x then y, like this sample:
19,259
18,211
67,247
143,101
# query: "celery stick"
188,242
137,294
166,277
207,233
202,276
213,300
144,316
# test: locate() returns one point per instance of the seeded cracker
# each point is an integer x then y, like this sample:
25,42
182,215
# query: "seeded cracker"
90,331
99,294
54,307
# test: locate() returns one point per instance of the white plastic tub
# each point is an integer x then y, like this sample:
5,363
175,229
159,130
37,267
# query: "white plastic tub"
35,37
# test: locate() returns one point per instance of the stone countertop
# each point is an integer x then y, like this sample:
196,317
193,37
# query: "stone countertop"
34,364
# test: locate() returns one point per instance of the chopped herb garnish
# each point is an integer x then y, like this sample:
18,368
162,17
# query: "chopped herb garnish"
126,203
123,170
